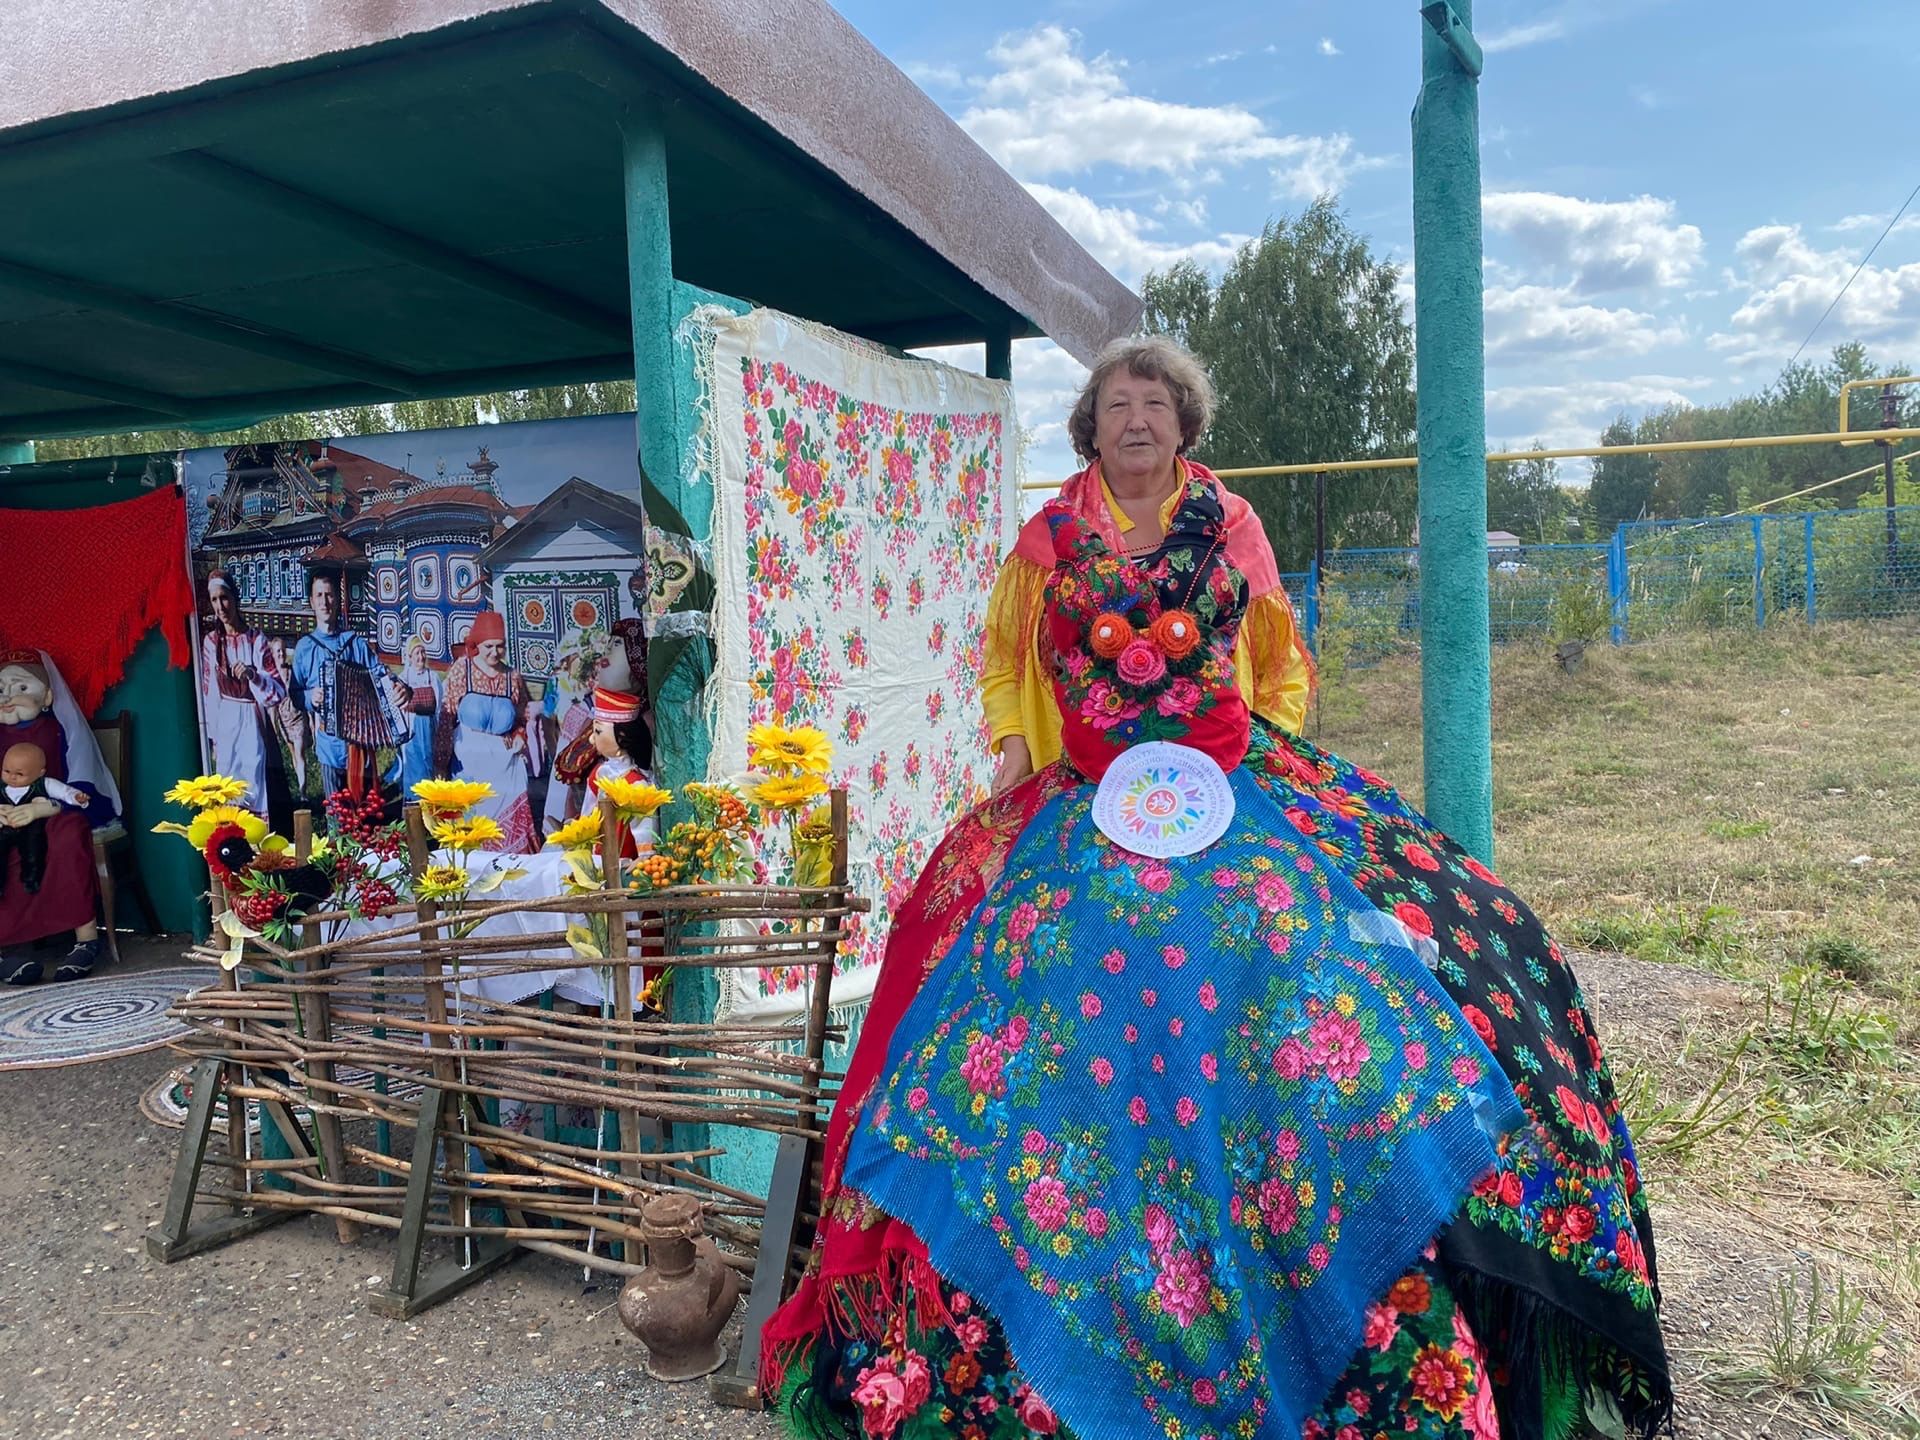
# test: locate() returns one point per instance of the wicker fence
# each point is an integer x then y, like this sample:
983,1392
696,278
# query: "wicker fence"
379,1075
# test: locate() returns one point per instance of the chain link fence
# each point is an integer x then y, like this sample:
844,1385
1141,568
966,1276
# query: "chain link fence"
1652,578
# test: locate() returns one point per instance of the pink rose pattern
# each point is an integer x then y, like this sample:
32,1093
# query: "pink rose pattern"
1567,1187
1071,1036
876,534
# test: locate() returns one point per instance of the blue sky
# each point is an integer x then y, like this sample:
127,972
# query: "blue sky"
1675,189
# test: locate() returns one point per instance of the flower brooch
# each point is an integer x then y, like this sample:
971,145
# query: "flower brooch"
1141,656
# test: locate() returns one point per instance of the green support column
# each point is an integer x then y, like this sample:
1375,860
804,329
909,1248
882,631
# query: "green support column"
681,660
1455,655
1000,356
16,452
679,653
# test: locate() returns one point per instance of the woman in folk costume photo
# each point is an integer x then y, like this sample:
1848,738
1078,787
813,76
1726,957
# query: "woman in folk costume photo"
420,698
483,731
1208,1090
240,687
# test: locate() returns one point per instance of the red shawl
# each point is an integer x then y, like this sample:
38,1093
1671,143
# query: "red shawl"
1247,547
87,585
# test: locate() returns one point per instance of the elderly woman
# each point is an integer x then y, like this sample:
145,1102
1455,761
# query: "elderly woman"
1206,1089
1143,409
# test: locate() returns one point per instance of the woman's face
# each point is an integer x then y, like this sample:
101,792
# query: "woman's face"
1136,426
491,654
603,742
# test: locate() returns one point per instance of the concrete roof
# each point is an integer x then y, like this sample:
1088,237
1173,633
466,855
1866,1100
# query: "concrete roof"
766,99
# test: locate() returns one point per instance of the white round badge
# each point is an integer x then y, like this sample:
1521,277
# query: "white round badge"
1163,800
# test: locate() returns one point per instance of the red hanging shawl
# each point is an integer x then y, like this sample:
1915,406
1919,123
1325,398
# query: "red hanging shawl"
87,585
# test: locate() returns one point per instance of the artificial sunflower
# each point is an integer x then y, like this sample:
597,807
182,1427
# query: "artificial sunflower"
580,834
813,849
445,799
784,750
633,798
788,792
443,882
203,792
473,833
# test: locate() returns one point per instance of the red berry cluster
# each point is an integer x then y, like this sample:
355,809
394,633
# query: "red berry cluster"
257,907
357,818
371,896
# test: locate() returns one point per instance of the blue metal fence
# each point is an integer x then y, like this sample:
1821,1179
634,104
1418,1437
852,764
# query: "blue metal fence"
1652,577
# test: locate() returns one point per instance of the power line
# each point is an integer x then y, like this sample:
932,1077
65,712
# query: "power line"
1851,278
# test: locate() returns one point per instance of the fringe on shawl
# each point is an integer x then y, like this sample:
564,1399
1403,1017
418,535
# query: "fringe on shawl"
1553,1367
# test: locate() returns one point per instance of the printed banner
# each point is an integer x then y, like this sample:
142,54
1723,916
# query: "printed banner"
385,608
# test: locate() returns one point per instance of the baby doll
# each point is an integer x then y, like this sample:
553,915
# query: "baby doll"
27,799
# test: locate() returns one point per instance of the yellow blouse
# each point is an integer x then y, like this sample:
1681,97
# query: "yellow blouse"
1269,660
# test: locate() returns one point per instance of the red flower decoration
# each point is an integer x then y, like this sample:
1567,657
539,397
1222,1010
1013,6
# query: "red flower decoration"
1175,633
1109,635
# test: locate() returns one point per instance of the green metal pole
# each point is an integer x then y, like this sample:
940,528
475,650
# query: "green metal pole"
664,418
1455,655
16,452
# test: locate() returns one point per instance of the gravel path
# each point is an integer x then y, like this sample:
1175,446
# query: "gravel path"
272,1336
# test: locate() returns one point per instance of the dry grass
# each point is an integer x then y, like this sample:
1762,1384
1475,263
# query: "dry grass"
1740,815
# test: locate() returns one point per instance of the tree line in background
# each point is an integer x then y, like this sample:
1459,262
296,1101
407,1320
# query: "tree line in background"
557,402
1306,335
1312,357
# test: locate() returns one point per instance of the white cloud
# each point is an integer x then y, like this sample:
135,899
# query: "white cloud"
1531,322
1787,284
1124,240
1598,245
1644,97
1573,414
926,76
1048,110
1319,165
1874,224
1516,37
1223,58
1327,47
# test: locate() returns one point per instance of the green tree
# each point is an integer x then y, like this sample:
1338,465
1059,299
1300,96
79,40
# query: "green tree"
1622,485
1525,498
598,397
1312,359
1803,400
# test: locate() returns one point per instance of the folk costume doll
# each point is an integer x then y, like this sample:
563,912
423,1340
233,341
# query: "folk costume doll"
1207,1090
28,799
624,745
37,709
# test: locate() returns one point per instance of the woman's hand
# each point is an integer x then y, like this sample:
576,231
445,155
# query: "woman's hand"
1016,764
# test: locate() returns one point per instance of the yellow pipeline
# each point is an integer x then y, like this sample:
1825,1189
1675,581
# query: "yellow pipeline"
1659,447
1852,385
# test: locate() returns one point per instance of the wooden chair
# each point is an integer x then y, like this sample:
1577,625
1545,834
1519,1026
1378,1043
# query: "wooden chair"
113,858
